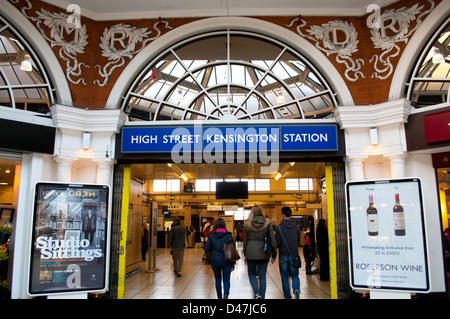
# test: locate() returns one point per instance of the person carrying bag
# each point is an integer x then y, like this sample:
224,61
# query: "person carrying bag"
259,246
288,240
220,244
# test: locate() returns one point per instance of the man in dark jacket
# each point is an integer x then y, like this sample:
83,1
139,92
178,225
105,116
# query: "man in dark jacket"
178,241
291,233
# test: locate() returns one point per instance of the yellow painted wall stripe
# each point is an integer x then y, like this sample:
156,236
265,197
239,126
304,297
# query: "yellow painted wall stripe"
331,231
123,232
443,203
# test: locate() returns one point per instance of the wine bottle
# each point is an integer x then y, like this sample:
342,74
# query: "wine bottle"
399,218
372,218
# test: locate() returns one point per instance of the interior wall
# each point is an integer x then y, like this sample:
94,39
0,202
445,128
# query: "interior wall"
135,221
6,194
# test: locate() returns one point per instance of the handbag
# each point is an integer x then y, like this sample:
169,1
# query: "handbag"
230,252
267,246
297,260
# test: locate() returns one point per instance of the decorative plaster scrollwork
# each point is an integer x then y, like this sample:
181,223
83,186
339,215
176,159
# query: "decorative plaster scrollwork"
59,30
126,37
326,39
396,22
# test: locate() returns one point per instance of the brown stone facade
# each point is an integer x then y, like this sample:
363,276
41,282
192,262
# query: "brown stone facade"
365,58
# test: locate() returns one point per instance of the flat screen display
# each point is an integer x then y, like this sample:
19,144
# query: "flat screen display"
69,240
231,190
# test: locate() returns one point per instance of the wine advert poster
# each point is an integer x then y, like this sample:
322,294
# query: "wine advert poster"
69,243
387,235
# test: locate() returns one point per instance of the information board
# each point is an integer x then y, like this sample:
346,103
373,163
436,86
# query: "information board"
387,241
69,241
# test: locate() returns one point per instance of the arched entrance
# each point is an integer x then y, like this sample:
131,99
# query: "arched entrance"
230,78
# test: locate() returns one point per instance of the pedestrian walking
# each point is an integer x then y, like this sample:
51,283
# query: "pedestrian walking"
221,268
288,248
259,246
178,242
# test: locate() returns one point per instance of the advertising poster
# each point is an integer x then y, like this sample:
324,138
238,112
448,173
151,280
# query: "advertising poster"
387,235
69,238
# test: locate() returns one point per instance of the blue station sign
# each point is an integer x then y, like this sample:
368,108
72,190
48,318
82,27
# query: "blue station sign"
199,138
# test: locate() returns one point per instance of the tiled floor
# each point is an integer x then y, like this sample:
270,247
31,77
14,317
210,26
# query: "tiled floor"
197,280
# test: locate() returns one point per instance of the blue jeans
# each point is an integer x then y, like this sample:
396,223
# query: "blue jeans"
257,267
222,271
287,267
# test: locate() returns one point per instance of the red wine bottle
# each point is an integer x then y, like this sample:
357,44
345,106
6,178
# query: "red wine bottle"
372,218
399,218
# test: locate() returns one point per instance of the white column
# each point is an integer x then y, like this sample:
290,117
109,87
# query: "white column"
398,167
64,169
104,172
356,167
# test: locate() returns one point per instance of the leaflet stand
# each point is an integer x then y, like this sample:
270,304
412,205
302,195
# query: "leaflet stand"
377,294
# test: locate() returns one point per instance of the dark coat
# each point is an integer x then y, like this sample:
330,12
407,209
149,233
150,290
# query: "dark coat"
177,236
291,232
307,253
215,244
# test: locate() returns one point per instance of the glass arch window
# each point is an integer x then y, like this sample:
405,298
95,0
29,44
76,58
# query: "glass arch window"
430,82
231,75
23,82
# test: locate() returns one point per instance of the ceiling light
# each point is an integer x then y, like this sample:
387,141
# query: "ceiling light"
373,134
283,170
438,57
179,171
26,64
86,140
180,97
280,98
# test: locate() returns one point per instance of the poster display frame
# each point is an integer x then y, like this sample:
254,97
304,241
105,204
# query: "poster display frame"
78,203
380,262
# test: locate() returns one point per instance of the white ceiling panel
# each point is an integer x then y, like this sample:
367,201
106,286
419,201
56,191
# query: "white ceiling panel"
140,9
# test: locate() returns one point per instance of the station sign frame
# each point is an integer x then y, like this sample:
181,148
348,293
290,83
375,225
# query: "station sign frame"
247,138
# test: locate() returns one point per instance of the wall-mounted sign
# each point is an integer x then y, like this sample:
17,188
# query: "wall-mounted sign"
229,138
436,126
387,241
175,207
69,242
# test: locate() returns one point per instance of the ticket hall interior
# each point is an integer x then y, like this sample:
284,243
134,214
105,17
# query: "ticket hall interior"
188,192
